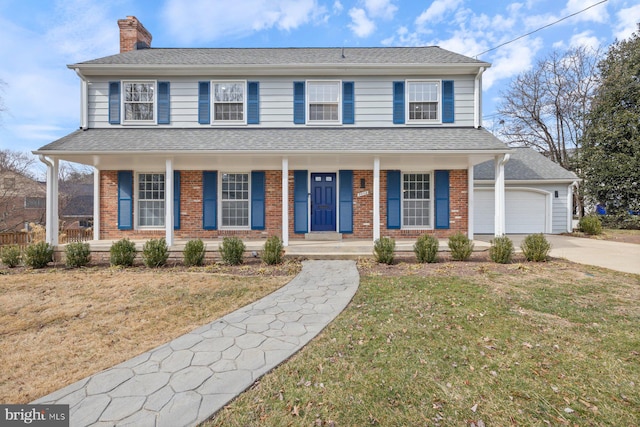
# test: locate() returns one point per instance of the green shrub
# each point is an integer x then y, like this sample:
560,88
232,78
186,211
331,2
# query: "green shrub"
426,248
11,256
461,247
383,250
535,247
623,221
501,250
78,254
38,255
232,250
193,253
273,251
123,252
155,253
590,224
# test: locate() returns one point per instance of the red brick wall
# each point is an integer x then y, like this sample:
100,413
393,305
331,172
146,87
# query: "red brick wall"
191,209
458,209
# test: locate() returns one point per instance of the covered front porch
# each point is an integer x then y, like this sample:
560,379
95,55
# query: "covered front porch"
307,249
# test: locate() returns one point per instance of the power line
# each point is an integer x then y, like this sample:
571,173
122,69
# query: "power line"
541,28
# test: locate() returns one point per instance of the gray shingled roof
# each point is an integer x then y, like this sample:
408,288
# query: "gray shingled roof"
288,56
275,140
525,164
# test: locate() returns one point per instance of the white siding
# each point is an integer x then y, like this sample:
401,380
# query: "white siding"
373,100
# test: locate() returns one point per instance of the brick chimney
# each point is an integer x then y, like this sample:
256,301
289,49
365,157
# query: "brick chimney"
133,35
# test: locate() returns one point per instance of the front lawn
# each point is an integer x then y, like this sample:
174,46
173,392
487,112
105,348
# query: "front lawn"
60,325
459,343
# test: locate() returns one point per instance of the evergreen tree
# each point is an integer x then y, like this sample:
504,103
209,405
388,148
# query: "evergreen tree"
611,145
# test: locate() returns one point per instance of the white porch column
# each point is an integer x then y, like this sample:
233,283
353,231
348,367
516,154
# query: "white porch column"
96,204
285,201
376,198
51,215
500,219
168,202
471,207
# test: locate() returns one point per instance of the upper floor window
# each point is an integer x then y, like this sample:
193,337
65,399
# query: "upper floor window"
228,101
34,202
323,100
423,101
139,101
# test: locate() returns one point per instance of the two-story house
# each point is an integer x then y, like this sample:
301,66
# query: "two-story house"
351,142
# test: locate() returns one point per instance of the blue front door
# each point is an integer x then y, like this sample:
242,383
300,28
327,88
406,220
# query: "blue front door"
323,202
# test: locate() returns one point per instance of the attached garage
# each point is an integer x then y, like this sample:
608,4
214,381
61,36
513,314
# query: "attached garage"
527,211
538,195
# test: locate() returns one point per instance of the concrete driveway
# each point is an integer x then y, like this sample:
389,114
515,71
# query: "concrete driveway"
617,256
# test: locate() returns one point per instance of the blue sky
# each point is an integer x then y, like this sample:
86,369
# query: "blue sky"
39,38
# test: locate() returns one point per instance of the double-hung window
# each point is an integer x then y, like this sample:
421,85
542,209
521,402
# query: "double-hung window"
139,101
416,200
151,200
423,101
235,200
229,102
323,99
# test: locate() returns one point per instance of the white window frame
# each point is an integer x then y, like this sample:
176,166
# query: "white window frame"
430,226
408,84
138,199
123,102
221,122
221,225
308,85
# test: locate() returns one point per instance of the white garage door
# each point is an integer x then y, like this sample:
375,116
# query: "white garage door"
526,211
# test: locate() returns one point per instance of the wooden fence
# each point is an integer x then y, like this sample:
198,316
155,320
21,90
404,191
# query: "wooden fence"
24,238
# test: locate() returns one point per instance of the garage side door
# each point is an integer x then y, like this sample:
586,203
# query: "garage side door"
526,211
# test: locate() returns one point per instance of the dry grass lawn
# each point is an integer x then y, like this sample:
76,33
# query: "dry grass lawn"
58,326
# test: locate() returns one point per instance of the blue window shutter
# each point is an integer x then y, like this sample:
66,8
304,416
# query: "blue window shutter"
442,199
125,200
300,202
253,103
114,103
398,103
448,109
164,103
348,110
176,200
257,200
298,103
394,187
346,201
204,114
210,200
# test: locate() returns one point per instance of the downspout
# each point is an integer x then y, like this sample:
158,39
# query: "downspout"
477,98
84,108
51,207
572,186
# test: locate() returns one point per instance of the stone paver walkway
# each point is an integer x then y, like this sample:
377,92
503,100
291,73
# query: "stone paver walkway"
184,382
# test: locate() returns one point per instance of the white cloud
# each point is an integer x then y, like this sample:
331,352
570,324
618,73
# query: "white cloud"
627,22
380,8
337,7
360,24
511,60
207,20
595,14
437,11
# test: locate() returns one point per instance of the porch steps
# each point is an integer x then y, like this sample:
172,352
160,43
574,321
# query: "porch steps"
323,236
